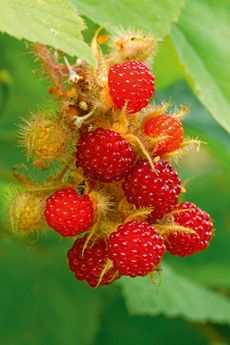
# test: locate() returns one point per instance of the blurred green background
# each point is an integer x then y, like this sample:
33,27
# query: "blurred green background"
42,303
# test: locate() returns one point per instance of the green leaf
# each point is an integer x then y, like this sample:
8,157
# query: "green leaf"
167,66
54,22
153,16
118,328
212,274
176,296
202,41
41,302
5,83
25,93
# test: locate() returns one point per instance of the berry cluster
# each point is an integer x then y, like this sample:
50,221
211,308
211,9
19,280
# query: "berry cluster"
116,182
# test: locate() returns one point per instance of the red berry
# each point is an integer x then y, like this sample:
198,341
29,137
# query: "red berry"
131,82
136,248
104,155
165,125
69,213
187,243
89,266
145,188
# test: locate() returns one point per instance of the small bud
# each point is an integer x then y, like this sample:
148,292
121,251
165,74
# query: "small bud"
83,106
129,46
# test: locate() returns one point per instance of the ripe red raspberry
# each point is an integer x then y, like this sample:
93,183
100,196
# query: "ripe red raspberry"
185,243
69,213
89,266
165,125
136,248
145,188
131,82
104,155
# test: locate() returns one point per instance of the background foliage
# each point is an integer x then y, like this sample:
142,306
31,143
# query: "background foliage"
41,303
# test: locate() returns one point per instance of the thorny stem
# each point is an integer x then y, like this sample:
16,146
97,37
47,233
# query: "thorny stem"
122,206
48,188
164,229
133,139
92,233
73,76
180,211
152,277
158,109
51,66
193,142
107,267
79,120
121,123
155,140
63,171
141,213
22,179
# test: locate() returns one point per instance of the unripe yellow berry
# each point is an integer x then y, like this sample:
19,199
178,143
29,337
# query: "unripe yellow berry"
44,139
27,213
